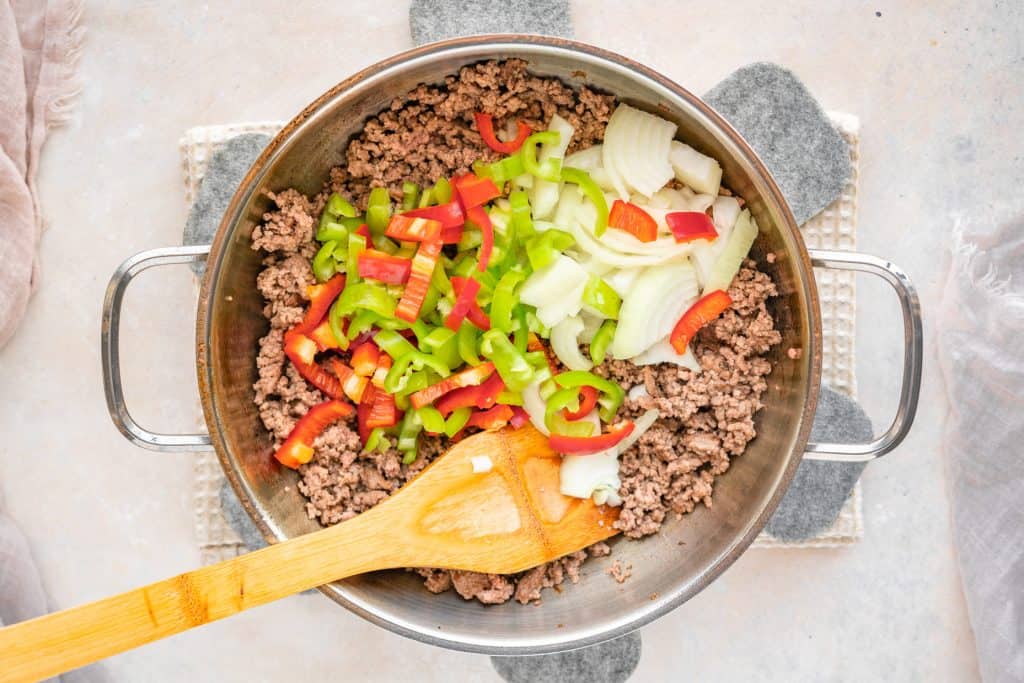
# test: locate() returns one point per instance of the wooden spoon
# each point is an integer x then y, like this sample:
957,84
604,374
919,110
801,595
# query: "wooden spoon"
506,520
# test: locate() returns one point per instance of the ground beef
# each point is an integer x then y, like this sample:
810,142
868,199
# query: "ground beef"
619,571
706,417
429,134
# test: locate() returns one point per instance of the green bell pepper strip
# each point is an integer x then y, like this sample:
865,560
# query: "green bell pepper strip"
505,300
535,325
329,230
431,299
536,358
431,419
510,398
324,266
444,345
542,249
522,220
471,239
356,246
465,266
521,333
367,296
444,307
381,243
441,192
393,344
601,341
600,296
549,170
543,375
399,376
339,206
510,362
611,396
467,336
501,171
410,195
593,192
413,382
373,441
421,330
456,421
361,322
408,436
378,210
555,421
439,280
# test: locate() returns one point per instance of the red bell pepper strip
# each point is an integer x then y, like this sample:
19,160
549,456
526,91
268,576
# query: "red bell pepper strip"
320,299
324,337
448,215
688,226
519,417
394,270
452,235
465,298
587,445
297,449
364,230
588,399
634,220
474,191
301,350
352,384
363,411
706,309
383,365
478,217
470,377
495,418
383,412
483,396
412,228
422,272
485,124
365,358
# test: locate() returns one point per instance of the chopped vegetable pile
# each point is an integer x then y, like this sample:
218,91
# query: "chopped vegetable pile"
465,306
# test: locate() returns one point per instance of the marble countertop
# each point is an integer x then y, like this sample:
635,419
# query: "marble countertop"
929,82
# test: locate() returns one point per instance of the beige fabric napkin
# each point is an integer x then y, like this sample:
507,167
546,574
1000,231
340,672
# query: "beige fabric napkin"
39,45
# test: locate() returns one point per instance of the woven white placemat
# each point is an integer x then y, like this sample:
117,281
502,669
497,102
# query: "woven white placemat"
833,228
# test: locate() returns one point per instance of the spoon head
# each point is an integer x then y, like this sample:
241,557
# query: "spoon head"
504,520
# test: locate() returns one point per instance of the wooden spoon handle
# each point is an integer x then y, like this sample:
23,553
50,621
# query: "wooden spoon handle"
54,643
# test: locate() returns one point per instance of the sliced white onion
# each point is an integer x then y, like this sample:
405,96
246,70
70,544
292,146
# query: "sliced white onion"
657,299
640,425
587,159
639,391
535,406
697,170
581,475
724,212
662,352
568,208
728,262
622,279
544,193
565,343
591,324
636,151
481,463
549,284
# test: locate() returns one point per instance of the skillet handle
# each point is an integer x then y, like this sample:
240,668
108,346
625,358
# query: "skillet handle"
911,385
110,341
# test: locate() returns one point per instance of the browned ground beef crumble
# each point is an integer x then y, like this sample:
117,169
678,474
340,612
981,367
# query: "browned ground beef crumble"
707,417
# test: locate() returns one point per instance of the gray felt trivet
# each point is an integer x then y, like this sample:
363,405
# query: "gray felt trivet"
787,128
609,662
431,20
